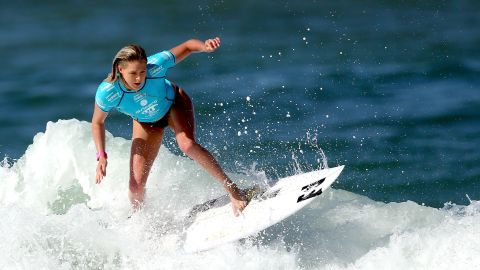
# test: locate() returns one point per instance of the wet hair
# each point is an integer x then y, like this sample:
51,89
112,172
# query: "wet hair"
128,53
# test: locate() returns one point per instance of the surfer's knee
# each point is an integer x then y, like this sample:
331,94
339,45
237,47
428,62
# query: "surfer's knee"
189,146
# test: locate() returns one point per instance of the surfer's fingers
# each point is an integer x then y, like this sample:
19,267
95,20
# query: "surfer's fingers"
98,178
101,172
216,42
104,169
211,44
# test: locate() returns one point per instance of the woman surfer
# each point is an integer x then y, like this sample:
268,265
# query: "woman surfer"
137,87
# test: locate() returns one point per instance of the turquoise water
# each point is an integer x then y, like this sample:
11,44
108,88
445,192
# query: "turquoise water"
390,90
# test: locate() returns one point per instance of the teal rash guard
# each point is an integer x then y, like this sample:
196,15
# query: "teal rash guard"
148,104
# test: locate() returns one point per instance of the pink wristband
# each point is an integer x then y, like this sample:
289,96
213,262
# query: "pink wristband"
102,154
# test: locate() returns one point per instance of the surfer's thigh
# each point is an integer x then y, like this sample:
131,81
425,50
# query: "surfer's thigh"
146,142
181,118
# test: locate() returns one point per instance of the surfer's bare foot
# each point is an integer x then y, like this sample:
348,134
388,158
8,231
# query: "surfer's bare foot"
239,201
238,205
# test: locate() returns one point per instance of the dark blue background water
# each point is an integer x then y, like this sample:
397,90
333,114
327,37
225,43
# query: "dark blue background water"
390,89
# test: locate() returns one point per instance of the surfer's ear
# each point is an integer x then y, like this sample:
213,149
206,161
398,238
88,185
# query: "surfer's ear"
120,68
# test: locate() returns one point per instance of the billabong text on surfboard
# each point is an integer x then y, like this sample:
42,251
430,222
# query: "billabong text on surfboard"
311,191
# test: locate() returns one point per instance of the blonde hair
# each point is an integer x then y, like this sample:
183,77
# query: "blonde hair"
128,53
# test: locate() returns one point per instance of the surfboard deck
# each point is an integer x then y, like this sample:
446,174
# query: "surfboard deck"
213,223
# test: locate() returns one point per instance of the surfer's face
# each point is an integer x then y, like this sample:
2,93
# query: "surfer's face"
133,73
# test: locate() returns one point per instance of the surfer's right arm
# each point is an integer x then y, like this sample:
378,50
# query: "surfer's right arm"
98,132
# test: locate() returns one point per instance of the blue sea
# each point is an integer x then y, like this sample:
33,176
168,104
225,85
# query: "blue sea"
390,89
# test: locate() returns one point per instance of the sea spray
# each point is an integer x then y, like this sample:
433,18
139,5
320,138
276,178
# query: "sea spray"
55,217
308,155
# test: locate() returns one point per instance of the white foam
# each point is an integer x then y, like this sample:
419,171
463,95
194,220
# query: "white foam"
45,221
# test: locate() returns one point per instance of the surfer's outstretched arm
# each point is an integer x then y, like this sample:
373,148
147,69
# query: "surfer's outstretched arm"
194,45
98,132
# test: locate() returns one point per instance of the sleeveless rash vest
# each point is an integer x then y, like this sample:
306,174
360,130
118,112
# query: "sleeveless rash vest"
151,102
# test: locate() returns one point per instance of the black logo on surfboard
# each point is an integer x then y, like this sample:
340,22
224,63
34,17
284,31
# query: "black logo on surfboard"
311,190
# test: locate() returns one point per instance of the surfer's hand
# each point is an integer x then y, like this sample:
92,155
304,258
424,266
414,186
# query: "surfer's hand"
101,169
211,44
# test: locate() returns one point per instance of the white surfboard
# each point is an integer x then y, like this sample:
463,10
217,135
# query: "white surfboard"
213,223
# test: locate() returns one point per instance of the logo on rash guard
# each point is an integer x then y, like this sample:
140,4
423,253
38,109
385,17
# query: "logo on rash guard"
138,97
156,70
153,60
149,110
112,96
107,87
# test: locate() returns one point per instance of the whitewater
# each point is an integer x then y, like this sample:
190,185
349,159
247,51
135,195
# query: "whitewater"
54,216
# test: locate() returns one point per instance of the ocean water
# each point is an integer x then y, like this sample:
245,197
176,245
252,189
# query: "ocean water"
388,89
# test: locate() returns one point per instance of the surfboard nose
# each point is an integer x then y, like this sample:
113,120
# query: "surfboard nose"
335,171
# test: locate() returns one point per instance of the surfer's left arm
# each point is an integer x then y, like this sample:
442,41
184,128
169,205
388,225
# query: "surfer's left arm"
98,132
194,45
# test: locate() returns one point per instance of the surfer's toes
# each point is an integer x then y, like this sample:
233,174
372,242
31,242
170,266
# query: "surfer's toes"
242,206
238,206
